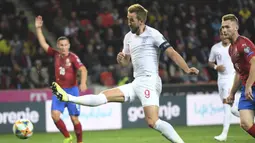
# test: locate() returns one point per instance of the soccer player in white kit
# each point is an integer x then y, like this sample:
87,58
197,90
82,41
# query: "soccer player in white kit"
143,45
226,74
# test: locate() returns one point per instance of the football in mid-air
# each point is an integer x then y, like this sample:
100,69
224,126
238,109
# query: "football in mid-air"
23,128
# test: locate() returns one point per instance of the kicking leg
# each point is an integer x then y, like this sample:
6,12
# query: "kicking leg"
166,129
110,95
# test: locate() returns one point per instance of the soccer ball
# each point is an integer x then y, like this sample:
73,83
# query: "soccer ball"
23,128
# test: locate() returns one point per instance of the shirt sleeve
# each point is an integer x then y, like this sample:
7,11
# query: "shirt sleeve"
51,51
160,41
212,56
248,49
125,49
77,62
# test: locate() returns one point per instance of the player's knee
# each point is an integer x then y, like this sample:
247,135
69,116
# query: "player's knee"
245,125
75,120
151,123
113,95
55,117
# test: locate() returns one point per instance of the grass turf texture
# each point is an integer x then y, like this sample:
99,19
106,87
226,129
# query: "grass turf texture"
201,134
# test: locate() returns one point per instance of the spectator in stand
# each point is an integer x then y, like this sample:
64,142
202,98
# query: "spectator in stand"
60,22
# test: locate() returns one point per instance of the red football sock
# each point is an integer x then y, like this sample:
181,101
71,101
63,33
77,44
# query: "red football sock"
78,132
62,128
251,131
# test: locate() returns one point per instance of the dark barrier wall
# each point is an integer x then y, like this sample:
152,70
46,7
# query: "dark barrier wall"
183,90
172,109
10,112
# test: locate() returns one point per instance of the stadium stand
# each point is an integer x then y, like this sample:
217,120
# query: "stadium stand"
96,30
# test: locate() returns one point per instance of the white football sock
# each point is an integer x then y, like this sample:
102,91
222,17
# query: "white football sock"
167,131
227,118
234,108
88,100
234,111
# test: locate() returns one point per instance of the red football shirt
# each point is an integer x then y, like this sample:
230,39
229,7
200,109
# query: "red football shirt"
241,52
65,68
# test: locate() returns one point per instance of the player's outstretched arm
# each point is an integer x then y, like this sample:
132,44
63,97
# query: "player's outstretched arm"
40,36
171,53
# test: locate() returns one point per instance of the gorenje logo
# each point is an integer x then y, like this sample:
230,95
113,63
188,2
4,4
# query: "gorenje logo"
12,111
167,111
12,116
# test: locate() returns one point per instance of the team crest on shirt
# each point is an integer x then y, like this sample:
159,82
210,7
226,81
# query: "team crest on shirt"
144,39
247,50
68,63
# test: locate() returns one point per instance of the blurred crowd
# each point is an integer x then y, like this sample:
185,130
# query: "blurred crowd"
96,29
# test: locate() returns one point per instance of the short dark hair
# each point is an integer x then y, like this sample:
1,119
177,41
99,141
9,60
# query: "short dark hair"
62,38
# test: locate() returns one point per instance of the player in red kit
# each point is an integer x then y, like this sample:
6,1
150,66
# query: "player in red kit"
67,64
242,53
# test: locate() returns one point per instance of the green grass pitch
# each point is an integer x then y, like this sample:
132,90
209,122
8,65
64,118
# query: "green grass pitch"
200,134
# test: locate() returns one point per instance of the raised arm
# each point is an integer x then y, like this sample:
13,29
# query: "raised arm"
40,36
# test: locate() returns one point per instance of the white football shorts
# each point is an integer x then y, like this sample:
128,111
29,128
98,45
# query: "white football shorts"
224,86
147,88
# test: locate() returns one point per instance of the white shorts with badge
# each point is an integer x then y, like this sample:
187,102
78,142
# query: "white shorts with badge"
147,88
224,86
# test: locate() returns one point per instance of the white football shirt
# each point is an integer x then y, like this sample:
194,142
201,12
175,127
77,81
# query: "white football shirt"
220,54
144,50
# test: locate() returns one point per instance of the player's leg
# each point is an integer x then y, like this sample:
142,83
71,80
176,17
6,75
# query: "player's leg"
110,95
247,121
224,89
77,127
148,90
57,108
166,129
74,112
246,109
234,108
